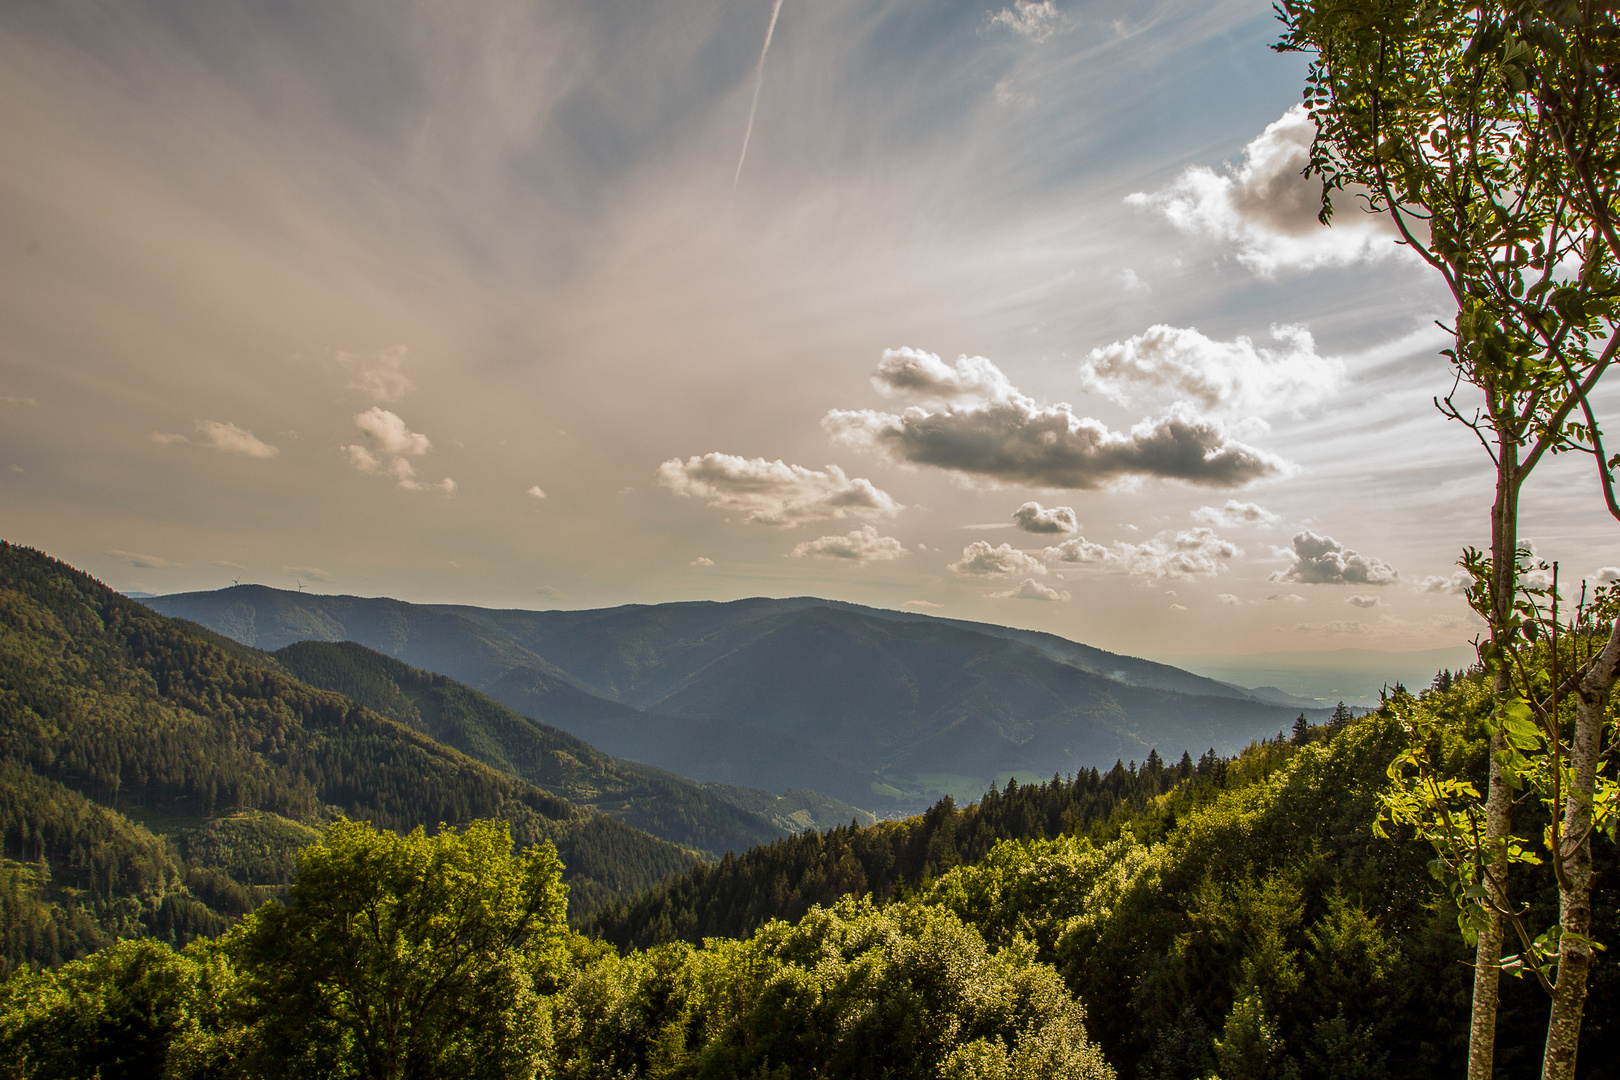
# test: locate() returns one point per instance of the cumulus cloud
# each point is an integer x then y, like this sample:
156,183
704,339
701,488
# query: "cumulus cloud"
1182,556
1032,517
1608,575
702,561
1285,598
862,545
925,377
389,433
979,559
1029,589
1236,515
921,604
973,428
1362,601
224,436
1034,19
380,374
1453,584
535,492
773,492
136,559
391,442
1266,208
1322,560
1234,376
1227,598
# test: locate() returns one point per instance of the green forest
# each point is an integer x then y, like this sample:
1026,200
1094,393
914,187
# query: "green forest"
211,866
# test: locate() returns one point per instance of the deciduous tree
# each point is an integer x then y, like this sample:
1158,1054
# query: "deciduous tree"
1486,130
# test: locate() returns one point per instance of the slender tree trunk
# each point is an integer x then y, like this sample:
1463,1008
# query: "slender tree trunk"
1575,893
1498,799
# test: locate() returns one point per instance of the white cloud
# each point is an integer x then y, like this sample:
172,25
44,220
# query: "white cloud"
1267,208
921,604
26,401
1034,19
862,545
1322,560
1362,601
1232,376
1453,584
925,377
1235,515
389,433
1608,575
979,426
380,374
702,561
773,492
535,492
1285,598
144,562
1227,598
979,559
1029,589
1178,607
1032,517
1179,556
312,573
224,436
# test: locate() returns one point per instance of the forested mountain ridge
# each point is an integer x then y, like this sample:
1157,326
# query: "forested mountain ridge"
738,692
118,724
458,716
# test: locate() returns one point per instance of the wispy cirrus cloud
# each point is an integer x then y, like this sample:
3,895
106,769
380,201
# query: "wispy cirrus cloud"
224,436
140,561
1033,19
774,492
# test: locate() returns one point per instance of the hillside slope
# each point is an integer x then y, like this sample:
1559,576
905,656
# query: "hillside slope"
123,732
458,716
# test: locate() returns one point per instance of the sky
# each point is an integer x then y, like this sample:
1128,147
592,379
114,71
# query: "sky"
1007,312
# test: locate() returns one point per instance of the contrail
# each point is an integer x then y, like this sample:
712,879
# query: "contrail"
759,81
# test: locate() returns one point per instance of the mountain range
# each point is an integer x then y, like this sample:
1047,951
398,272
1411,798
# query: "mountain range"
883,710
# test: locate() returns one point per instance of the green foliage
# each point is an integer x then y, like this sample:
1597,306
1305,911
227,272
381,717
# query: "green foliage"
901,992
111,712
131,1011
409,956
784,880
1432,796
1265,888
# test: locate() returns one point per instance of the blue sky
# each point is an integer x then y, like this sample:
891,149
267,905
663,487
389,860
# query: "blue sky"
462,303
